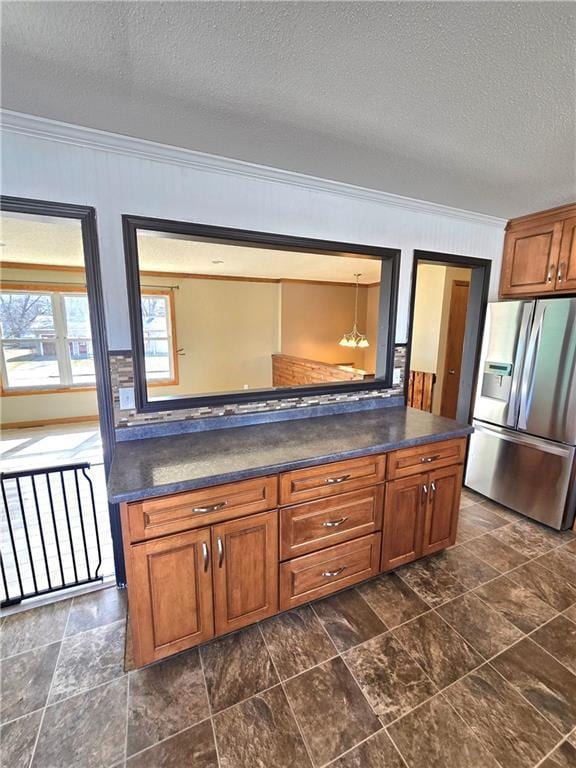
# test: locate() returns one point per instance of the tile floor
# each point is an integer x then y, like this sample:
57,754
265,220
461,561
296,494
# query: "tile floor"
464,660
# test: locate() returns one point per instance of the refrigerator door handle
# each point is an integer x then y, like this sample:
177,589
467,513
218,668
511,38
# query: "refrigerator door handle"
513,403
527,386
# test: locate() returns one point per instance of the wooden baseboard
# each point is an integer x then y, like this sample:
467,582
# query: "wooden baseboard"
49,422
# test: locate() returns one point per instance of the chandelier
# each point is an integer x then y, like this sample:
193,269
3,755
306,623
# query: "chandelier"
354,338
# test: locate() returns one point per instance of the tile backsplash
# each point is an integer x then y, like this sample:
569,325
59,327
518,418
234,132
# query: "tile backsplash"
122,375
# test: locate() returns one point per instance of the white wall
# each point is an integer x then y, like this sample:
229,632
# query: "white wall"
116,175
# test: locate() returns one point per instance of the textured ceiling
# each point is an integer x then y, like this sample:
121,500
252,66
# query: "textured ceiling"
467,104
52,241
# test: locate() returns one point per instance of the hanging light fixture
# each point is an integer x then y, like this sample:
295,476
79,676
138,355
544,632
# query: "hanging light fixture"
354,339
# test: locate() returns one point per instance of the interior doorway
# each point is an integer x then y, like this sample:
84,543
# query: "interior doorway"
447,309
55,400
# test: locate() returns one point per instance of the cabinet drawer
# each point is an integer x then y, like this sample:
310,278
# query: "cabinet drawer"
421,458
312,576
319,524
183,511
329,479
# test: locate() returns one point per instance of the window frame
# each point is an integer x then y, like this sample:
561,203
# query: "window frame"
174,379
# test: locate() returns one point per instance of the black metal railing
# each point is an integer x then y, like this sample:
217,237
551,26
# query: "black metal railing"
49,537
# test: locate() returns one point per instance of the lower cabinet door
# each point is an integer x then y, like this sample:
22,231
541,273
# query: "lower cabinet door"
170,594
245,562
404,509
441,520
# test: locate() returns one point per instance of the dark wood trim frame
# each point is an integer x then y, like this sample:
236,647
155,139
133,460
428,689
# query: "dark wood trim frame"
87,217
451,260
131,225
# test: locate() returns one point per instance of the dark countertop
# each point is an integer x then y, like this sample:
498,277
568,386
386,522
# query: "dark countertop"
157,466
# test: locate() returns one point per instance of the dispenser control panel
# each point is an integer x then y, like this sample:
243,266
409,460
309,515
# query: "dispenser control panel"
497,380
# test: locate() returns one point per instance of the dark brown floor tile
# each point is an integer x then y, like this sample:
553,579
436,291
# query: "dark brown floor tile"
26,680
470,497
487,631
193,748
331,711
391,680
393,600
165,698
433,583
29,629
493,551
511,729
260,732
296,641
237,667
528,538
570,613
482,518
545,584
96,609
542,680
89,659
376,752
563,756
17,741
570,546
439,650
572,738
561,563
558,637
516,603
85,731
503,512
348,619
466,567
434,736
467,531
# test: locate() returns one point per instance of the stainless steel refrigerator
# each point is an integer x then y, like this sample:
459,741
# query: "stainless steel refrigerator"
522,451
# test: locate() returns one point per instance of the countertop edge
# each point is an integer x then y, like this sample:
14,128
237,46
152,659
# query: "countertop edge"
218,479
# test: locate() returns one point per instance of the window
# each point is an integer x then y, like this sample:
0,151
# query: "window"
46,340
159,346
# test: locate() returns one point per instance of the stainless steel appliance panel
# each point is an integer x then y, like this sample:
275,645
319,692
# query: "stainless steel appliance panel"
548,390
527,474
502,359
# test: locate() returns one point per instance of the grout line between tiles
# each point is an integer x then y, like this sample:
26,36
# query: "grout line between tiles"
126,718
167,738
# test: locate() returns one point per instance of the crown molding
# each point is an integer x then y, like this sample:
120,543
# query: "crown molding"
92,138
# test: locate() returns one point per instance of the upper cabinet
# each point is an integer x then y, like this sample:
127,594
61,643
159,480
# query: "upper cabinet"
540,254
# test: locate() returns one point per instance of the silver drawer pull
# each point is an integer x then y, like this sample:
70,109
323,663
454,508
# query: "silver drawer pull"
332,480
211,507
331,574
206,555
334,523
428,459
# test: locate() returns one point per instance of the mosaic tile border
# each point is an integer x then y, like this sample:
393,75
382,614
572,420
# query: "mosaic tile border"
122,375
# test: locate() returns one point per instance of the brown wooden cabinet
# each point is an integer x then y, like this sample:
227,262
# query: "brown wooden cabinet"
171,594
245,558
403,521
540,254
442,507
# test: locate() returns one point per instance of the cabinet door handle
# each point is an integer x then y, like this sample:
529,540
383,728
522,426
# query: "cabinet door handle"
424,493
331,574
551,269
334,523
205,555
428,459
220,548
333,480
560,268
211,507
432,491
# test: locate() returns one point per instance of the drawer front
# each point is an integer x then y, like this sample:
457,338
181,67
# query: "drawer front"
329,479
312,576
319,524
421,458
183,511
